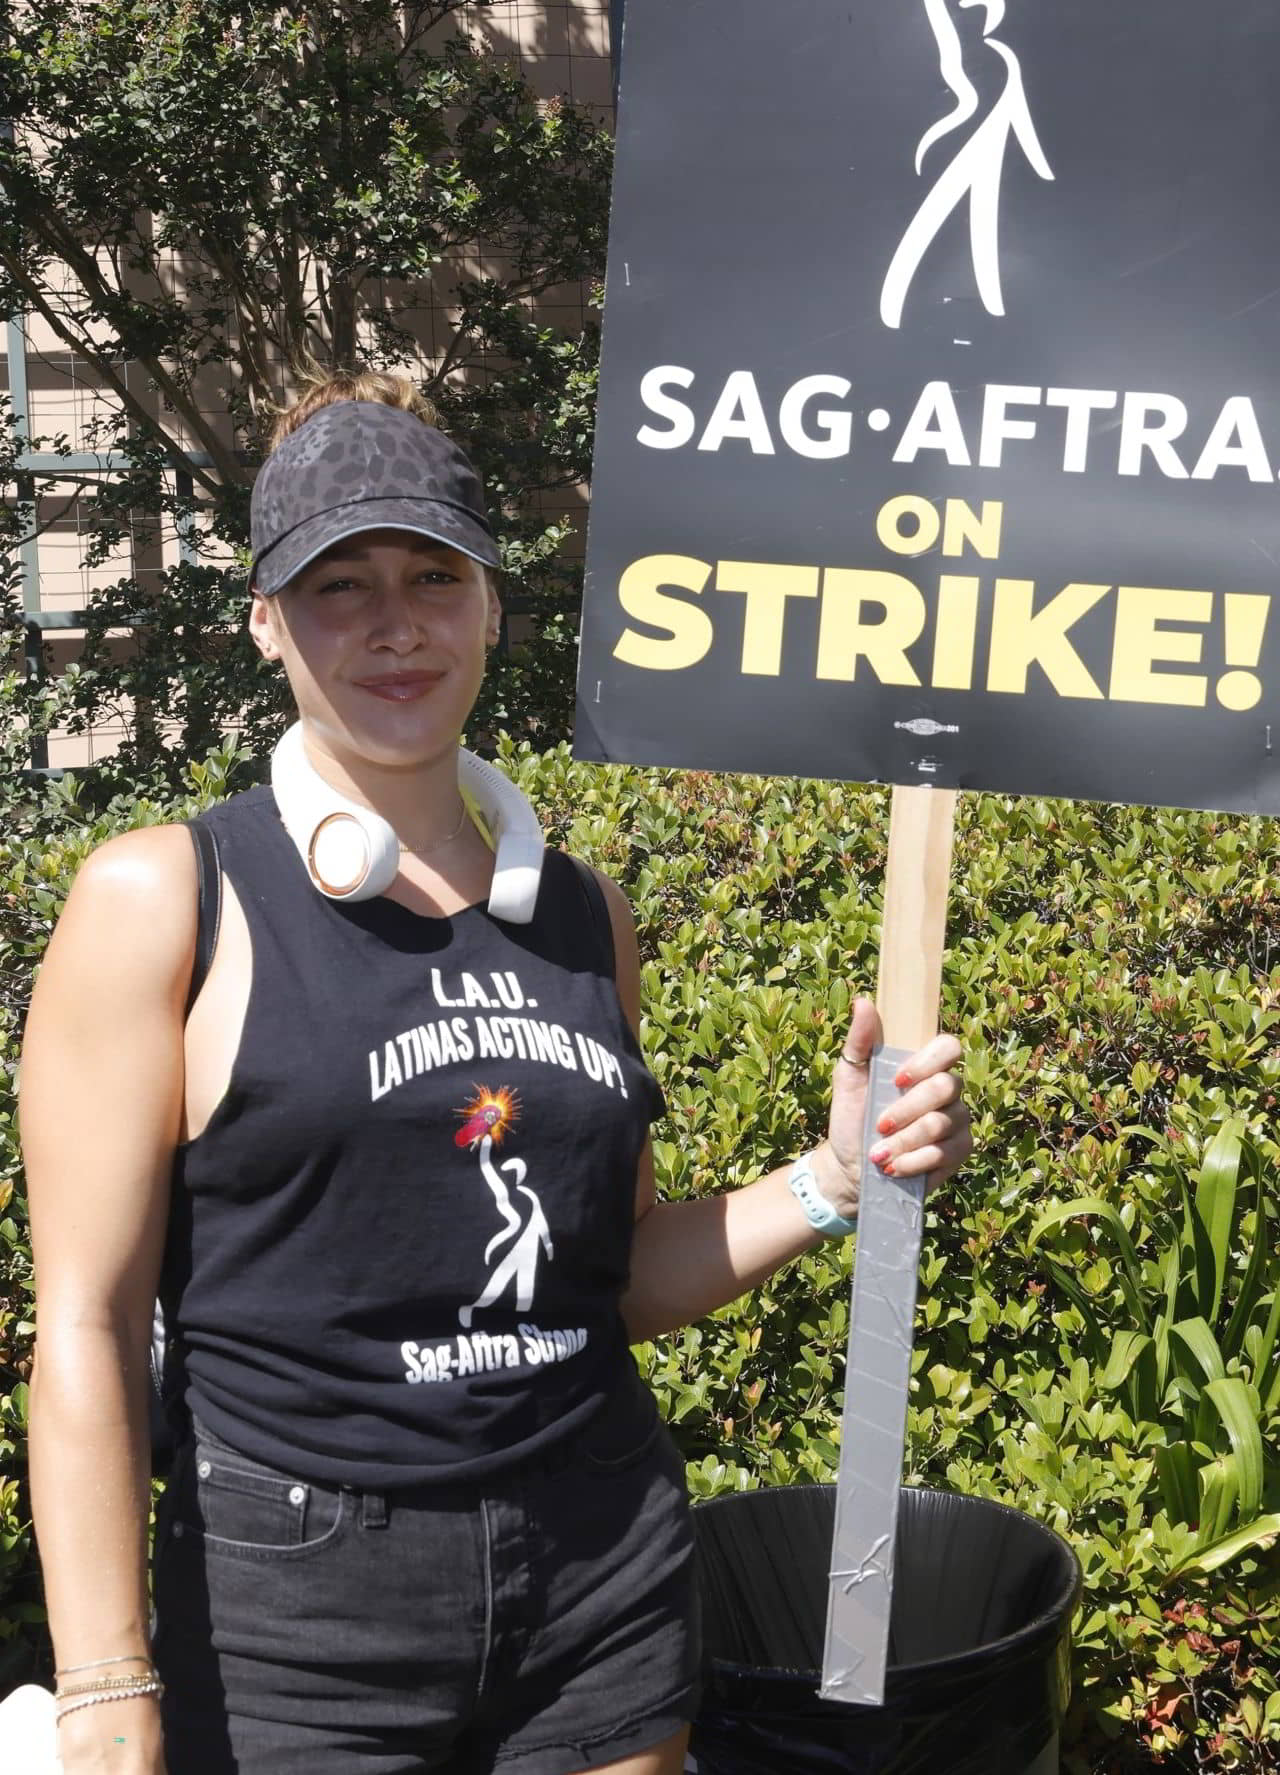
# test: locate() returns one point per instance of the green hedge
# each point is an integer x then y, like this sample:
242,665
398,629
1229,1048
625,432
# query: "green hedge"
1111,974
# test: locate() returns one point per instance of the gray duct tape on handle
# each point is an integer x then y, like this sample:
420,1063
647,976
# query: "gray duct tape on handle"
885,1277
352,853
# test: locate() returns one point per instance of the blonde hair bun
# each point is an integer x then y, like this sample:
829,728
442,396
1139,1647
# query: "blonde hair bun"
319,388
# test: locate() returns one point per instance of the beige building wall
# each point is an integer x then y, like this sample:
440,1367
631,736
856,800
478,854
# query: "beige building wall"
562,46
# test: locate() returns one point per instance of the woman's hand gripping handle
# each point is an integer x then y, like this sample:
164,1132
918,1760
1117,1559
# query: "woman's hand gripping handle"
924,1132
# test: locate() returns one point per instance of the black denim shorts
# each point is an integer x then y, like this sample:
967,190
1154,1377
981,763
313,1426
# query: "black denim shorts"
540,1623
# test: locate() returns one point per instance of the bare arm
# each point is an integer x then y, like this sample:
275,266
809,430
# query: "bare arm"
101,1098
690,1257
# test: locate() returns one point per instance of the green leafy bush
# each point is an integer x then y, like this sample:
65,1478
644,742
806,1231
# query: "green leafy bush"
1111,973
1172,1359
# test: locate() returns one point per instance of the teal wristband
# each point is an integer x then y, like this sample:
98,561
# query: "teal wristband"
803,1185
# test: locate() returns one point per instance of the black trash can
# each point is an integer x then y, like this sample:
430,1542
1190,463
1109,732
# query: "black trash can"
979,1644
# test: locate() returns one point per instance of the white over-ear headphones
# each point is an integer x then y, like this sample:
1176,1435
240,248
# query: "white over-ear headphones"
352,853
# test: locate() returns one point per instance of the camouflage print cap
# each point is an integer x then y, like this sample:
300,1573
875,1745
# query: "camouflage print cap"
361,465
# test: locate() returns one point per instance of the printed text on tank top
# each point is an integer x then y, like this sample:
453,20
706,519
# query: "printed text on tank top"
401,1225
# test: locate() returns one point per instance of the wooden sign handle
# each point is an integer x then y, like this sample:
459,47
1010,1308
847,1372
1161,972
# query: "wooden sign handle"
855,1658
921,832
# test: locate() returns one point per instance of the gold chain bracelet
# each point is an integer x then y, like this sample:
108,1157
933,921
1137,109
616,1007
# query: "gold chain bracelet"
104,1685
142,1687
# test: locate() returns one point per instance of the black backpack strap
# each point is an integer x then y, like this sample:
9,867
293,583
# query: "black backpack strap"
209,914
598,907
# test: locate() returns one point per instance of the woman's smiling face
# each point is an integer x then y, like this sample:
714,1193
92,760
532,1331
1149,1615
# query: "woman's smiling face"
383,639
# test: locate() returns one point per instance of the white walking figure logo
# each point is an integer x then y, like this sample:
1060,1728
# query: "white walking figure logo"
520,1265
975,170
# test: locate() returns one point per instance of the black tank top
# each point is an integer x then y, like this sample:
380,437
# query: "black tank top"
396,1252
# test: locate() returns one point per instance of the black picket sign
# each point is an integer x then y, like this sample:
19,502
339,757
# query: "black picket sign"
939,427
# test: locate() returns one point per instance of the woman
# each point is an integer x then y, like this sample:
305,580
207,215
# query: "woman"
425,1517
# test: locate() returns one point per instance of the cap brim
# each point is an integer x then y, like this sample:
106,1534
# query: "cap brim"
273,570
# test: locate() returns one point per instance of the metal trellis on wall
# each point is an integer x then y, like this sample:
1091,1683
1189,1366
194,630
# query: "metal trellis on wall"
34,467
37,467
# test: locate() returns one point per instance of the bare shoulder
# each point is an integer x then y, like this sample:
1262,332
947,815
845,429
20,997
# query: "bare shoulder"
131,910
102,1073
154,861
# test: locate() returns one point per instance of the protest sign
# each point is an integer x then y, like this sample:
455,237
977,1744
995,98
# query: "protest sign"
939,425
938,443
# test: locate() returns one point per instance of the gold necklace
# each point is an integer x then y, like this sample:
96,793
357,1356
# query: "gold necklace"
425,850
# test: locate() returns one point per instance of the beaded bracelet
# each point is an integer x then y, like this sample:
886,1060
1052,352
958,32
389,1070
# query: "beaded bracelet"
142,1687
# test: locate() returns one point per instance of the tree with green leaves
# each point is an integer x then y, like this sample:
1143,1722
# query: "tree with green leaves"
197,198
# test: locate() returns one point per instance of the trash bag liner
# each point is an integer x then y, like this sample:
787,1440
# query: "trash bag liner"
979,1641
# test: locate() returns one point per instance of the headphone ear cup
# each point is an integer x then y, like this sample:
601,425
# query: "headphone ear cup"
350,852
348,856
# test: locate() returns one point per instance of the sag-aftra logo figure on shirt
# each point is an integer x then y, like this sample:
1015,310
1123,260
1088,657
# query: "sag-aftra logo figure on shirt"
976,168
486,1119
513,1251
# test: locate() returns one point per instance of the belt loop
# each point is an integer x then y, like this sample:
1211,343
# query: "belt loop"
373,1509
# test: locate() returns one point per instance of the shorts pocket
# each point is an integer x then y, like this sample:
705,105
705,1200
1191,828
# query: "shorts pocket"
624,1430
249,1511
